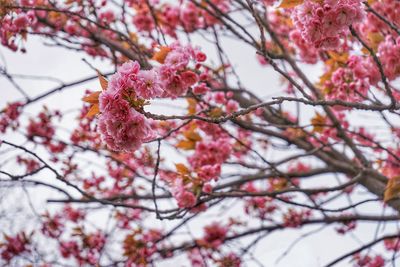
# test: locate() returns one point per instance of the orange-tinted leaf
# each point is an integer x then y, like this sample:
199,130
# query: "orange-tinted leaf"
392,189
375,38
339,57
103,81
216,112
186,144
133,36
279,184
160,55
318,121
93,110
290,3
93,98
181,168
294,133
192,135
191,105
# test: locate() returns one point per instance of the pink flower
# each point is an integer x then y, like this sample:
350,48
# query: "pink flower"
389,54
147,84
189,78
122,127
364,68
186,199
207,188
129,69
179,57
345,86
231,106
143,21
320,24
209,156
190,17
209,172
214,235
201,89
175,87
200,56
21,21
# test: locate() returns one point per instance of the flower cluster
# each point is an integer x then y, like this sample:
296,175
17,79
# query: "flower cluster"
262,207
389,54
322,22
208,157
346,227
14,245
42,130
122,126
390,9
140,246
364,68
183,194
214,236
344,86
306,52
210,152
194,17
9,116
14,26
87,250
368,261
294,218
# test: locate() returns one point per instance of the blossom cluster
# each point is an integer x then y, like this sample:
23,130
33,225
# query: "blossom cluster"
262,207
204,164
368,260
87,251
9,117
208,157
343,85
14,26
389,54
322,22
390,9
122,125
42,130
188,15
140,246
14,245
214,236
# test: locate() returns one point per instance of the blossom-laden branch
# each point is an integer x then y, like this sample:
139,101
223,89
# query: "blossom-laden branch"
283,161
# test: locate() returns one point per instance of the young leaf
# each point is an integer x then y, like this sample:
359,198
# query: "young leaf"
318,122
94,109
93,98
392,189
103,81
181,168
160,55
290,3
186,144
